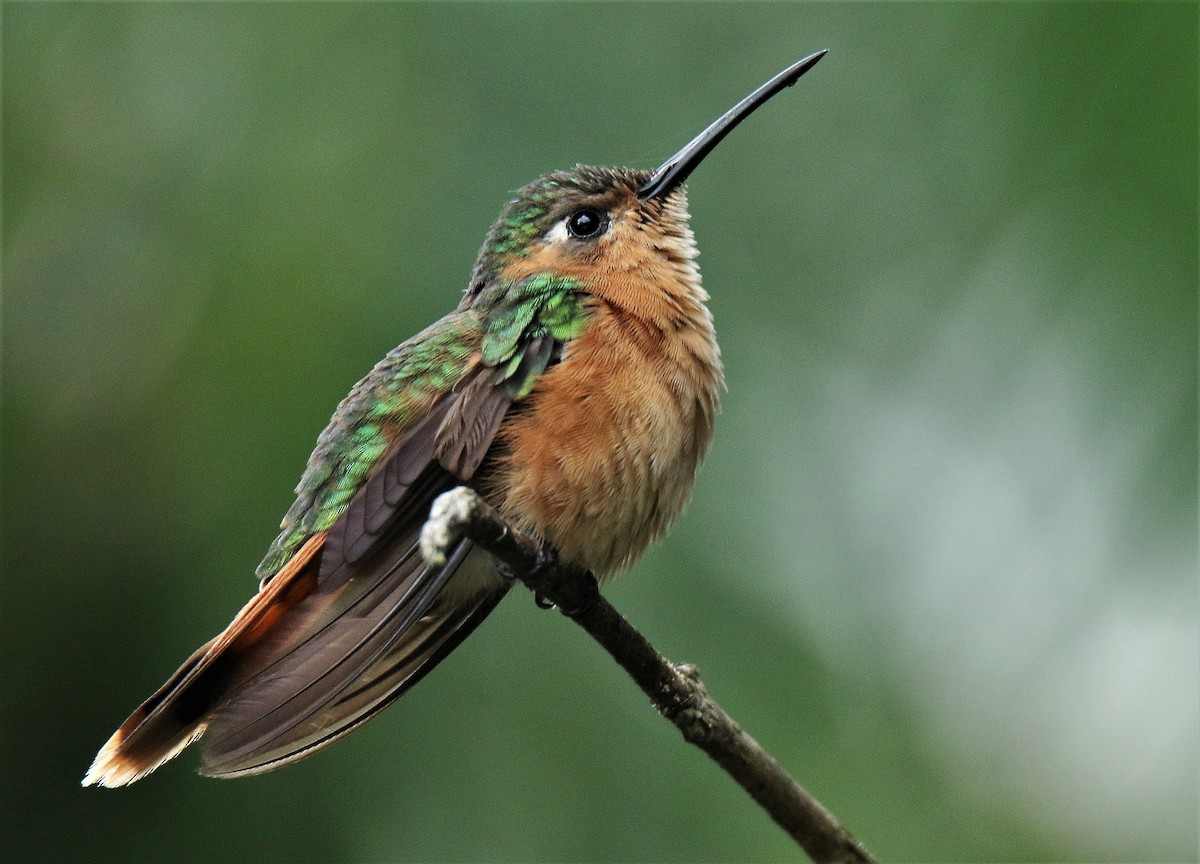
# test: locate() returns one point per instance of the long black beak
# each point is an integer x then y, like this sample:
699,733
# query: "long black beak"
675,170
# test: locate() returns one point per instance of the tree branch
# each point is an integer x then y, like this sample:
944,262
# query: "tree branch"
675,690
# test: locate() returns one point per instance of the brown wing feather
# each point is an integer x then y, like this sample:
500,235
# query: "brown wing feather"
471,424
406,481
357,663
383,684
442,449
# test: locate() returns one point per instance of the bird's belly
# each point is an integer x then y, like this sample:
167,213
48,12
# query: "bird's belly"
599,464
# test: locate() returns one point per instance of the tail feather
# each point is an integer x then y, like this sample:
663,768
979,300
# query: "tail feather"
261,728
175,715
304,663
301,691
138,747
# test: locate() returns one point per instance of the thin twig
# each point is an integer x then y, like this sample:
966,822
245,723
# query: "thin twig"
675,690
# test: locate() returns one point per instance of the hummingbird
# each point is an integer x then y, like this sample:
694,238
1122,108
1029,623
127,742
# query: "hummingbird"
574,388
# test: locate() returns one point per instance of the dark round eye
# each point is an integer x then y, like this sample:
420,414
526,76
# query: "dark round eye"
586,223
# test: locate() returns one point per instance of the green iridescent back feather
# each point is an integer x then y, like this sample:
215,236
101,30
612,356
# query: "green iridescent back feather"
393,396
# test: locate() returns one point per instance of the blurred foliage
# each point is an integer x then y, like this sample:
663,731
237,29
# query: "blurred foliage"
942,560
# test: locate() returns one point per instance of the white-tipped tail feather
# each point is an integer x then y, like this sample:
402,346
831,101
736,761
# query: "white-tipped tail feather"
112,768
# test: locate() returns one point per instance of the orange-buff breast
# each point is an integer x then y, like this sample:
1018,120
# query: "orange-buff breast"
604,456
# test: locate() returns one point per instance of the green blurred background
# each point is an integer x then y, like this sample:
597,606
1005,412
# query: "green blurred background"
941,561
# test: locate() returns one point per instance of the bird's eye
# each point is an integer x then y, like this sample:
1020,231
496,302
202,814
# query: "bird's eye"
586,223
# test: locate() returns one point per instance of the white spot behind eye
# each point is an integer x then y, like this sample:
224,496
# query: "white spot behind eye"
558,232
